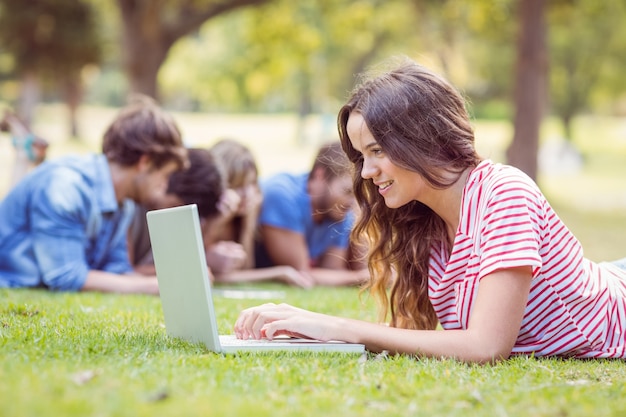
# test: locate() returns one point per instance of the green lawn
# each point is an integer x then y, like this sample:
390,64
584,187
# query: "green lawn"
99,355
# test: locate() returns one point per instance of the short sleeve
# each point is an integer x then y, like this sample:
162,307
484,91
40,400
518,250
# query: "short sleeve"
511,224
282,208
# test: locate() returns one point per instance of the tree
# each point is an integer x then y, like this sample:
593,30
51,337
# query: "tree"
287,56
151,27
50,41
530,86
583,42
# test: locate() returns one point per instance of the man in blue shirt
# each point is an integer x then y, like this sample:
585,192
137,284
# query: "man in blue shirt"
64,225
306,219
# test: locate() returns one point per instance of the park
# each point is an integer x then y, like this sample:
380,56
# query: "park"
96,354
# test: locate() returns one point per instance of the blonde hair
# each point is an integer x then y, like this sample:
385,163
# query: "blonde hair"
236,160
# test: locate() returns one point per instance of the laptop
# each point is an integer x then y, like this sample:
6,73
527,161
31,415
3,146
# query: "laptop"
185,289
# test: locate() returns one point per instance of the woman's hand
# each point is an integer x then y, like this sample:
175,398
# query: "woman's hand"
290,275
229,204
225,256
252,199
271,320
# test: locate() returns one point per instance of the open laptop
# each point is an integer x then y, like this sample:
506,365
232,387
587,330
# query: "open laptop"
185,288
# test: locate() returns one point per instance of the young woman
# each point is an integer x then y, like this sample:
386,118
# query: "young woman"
456,240
230,237
239,207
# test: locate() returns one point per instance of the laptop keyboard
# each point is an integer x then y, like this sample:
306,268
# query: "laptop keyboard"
231,340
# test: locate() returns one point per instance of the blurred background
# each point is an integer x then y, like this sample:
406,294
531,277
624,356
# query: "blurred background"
544,79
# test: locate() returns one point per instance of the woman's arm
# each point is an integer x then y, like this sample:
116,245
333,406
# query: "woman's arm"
493,327
282,273
286,247
250,217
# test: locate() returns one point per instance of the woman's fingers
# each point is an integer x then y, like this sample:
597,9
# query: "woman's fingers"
245,321
280,328
252,321
271,320
294,277
229,202
304,281
225,256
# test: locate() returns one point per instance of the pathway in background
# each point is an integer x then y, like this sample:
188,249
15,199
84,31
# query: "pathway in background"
272,138
274,141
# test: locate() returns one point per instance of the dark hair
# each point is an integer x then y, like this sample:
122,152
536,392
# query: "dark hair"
143,128
202,183
421,123
332,159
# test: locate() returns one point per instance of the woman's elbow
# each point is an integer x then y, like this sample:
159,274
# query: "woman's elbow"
491,354
487,350
491,359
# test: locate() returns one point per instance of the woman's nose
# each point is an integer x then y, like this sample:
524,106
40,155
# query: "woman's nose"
368,170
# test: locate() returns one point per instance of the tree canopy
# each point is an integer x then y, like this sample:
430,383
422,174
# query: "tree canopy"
303,56
49,42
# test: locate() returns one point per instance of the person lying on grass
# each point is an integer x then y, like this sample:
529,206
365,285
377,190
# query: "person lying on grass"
455,240
230,237
63,226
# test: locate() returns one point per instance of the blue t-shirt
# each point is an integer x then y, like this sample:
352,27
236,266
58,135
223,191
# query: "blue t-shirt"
287,205
61,221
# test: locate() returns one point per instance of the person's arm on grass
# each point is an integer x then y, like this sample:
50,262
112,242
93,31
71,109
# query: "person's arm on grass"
287,247
490,336
283,273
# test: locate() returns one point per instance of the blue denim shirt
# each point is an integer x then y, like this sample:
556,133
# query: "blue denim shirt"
61,221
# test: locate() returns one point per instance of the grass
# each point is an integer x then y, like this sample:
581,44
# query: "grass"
99,355
91,354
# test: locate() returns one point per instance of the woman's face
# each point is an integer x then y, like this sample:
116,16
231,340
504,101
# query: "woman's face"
247,189
397,185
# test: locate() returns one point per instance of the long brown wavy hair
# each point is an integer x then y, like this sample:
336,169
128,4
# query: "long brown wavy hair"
421,123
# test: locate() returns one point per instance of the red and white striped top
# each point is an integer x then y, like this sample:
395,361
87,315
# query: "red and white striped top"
575,308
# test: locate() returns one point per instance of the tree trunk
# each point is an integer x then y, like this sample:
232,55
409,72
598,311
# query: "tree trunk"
304,105
530,86
567,127
143,45
73,92
150,29
28,97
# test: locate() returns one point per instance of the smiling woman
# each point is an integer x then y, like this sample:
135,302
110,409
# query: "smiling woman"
397,185
461,241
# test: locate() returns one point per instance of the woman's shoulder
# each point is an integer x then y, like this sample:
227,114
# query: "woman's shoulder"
496,177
